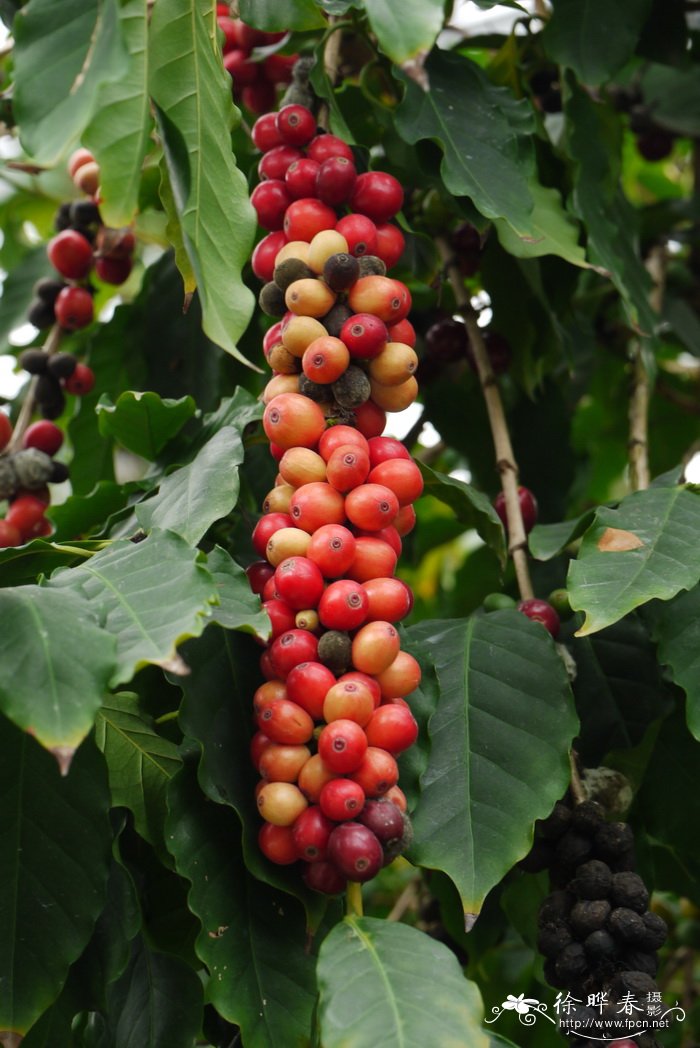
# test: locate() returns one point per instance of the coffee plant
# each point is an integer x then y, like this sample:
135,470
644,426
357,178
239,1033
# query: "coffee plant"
349,561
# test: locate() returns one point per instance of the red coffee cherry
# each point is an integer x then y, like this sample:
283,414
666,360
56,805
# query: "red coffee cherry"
311,832
281,616
44,435
265,134
6,432
290,649
392,728
383,449
280,763
377,195
349,700
275,163
356,851
240,67
401,678
324,877
361,236
300,178
307,217
338,436
71,254
342,746
266,528
291,420
83,378
390,245
278,68
377,773
404,332
296,125
389,599
259,573
324,146
540,611
342,799
374,559
528,508
405,520
325,359
73,308
10,535
343,606
271,200
26,511
299,582
400,475
336,180
277,844
375,647
308,684
371,506
313,505
388,299
332,548
365,335
347,467
286,723
113,270
259,97
370,419
265,253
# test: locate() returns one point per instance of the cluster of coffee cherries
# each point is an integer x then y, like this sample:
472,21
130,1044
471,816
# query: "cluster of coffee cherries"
332,715
24,475
255,76
596,931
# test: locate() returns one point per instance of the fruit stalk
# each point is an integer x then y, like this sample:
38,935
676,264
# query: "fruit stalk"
640,395
353,899
505,458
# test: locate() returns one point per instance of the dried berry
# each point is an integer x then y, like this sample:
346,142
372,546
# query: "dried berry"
552,938
589,915
335,318
271,300
34,361
587,817
288,271
629,890
559,819
571,964
538,858
62,365
556,907
645,961
655,933
352,388
371,266
600,947
627,926
335,651
592,880
572,849
341,271
613,839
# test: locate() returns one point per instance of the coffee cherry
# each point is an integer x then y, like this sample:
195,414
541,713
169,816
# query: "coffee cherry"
309,298
71,254
307,684
277,844
239,66
291,420
355,851
324,877
347,467
266,528
324,146
265,134
334,319
334,650
370,419
285,543
81,381
377,773
279,763
365,335
313,505
296,125
403,332
371,266
332,548
258,574
61,365
349,700
281,803
342,799
390,244
371,506
44,435
6,433
311,833
271,200
10,535
541,611
401,476
41,314
389,599
74,308
384,819
306,217
387,299
299,582
77,159
300,178
342,746
275,164
283,721
325,360
528,508
401,677
340,271
375,647
336,180
113,270
343,606
264,255
360,234
377,195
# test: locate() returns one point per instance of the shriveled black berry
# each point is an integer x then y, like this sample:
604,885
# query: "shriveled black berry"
59,473
559,819
600,947
587,817
34,361
335,318
613,839
630,981
645,961
371,266
571,964
592,880
61,220
271,300
83,214
628,889
625,863
556,907
62,365
40,313
52,409
313,390
656,931
290,270
352,388
627,926
588,915
48,390
552,938
538,858
48,290
335,650
341,271
572,849
551,976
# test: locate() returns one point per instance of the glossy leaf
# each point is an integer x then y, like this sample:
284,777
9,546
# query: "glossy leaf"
253,937
499,742
406,32
143,422
238,607
548,540
211,194
191,498
82,514
63,54
411,988
483,131
17,291
55,841
607,584
149,595
272,16
119,135
156,1003
140,762
55,664
553,231
574,35
471,507
678,633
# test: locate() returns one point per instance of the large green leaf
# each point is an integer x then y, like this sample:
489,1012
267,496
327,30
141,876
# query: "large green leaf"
593,138
140,762
253,938
217,712
156,1003
63,53
548,540
83,514
238,608
381,982
273,16
55,665
55,841
143,422
407,31
17,291
499,742
470,506
553,231
593,37
149,595
119,135
646,548
191,498
211,194
678,633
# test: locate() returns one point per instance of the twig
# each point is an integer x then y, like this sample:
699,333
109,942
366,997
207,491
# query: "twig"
29,405
505,459
641,388
406,901
578,790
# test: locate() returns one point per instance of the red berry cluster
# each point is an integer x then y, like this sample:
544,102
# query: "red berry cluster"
332,715
23,479
254,81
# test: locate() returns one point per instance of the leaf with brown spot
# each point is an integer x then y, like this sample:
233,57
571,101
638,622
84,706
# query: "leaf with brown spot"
617,540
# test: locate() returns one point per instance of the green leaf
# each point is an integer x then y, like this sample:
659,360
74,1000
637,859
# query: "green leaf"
673,94
678,633
211,194
143,422
238,607
499,742
17,291
548,540
191,498
119,135
55,665
645,548
63,54
272,16
149,595
82,514
140,762
253,938
381,982
592,37
157,1002
407,31
173,230
470,506
22,564
592,131
55,840
485,134
553,231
